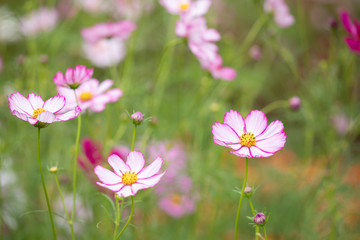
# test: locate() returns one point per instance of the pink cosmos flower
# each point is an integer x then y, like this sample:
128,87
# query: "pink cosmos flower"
40,20
73,78
281,12
105,42
92,151
130,177
353,28
177,205
252,137
39,113
217,70
132,9
91,95
187,8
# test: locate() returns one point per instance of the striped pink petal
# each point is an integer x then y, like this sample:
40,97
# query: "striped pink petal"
135,160
106,176
151,169
255,122
235,121
54,104
118,164
35,100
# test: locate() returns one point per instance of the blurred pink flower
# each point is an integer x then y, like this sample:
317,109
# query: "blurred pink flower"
201,43
174,155
132,9
341,123
121,151
92,151
95,6
40,20
282,15
255,52
39,113
177,204
91,95
353,28
186,8
73,78
130,177
252,137
104,43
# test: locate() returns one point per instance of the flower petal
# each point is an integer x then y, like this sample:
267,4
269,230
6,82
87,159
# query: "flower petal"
35,100
151,169
256,122
68,115
255,152
224,135
243,151
46,117
152,181
135,160
104,85
19,103
125,191
118,164
235,121
114,188
272,144
274,128
106,176
54,104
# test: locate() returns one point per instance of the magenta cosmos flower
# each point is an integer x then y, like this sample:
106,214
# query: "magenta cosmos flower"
130,177
353,41
252,137
91,95
73,78
39,113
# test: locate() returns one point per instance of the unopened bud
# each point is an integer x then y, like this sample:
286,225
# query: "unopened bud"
260,219
53,169
137,118
295,103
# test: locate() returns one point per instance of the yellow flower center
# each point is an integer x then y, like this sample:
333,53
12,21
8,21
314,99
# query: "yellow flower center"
129,178
86,96
247,139
176,198
37,112
184,6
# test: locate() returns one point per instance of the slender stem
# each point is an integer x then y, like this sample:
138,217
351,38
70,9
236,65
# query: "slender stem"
241,197
275,105
118,215
254,213
128,221
65,209
75,162
133,138
44,187
265,233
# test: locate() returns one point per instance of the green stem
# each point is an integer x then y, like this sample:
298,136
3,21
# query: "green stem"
128,221
65,209
265,233
275,105
133,138
75,162
118,215
254,213
44,187
241,197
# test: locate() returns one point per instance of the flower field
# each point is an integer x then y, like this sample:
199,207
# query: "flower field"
180,119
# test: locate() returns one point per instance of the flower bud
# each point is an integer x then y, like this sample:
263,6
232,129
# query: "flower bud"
333,23
260,219
295,103
53,169
137,118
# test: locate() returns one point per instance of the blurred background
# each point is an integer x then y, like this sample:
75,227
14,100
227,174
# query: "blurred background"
304,75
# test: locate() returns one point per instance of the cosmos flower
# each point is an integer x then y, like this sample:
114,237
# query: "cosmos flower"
353,28
282,15
73,78
104,43
39,113
130,177
92,151
41,20
187,8
250,137
91,95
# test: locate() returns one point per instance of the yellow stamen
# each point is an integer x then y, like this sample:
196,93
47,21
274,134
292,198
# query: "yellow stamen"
86,96
184,6
247,139
37,112
129,178
176,198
